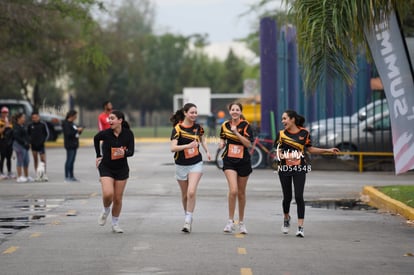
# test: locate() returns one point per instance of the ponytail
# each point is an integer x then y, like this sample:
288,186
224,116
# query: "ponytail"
179,115
299,120
121,115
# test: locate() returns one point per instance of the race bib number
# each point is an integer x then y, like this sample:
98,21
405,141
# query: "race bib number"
235,151
117,153
190,152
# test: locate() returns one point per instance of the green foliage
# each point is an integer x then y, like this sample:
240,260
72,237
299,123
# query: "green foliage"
198,70
233,76
330,34
402,193
52,47
38,37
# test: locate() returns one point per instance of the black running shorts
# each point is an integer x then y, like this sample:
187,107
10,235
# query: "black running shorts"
243,168
116,174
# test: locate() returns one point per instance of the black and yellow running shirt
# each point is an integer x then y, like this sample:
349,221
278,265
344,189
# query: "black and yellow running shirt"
235,150
292,150
185,135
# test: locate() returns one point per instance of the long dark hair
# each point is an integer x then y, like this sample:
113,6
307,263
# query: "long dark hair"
179,114
16,117
236,103
70,113
299,120
121,115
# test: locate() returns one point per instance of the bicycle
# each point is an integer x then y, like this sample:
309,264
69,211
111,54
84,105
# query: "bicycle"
261,147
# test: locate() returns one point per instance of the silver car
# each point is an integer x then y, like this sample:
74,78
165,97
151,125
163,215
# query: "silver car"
322,127
370,135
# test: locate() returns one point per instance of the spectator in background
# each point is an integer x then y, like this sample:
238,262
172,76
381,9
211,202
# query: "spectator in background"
103,118
7,140
38,133
71,134
21,145
3,146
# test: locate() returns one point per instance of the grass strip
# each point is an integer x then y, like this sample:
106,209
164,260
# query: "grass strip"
402,193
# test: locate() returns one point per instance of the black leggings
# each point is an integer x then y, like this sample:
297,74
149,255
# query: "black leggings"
6,155
299,183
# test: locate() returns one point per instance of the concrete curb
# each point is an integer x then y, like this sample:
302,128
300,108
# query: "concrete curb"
379,200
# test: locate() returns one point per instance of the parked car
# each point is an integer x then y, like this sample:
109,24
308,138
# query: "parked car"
370,135
54,122
321,127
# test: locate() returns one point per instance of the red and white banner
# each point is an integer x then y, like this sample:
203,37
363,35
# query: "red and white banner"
392,61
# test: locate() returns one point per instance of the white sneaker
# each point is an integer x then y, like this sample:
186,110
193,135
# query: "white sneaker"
21,179
300,233
102,219
30,179
117,229
186,227
229,228
286,225
242,228
3,177
45,178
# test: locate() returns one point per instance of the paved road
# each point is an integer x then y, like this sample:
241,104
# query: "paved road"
51,228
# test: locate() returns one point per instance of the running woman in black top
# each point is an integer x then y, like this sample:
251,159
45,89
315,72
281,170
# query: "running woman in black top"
117,144
292,144
236,135
186,137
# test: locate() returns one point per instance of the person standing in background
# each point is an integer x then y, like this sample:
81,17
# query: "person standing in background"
3,146
7,151
38,133
186,137
103,118
21,145
71,134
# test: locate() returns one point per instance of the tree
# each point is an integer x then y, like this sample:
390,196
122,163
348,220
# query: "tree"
331,33
233,75
37,37
198,70
122,39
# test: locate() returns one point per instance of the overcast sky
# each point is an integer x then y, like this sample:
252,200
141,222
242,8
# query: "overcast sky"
219,18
